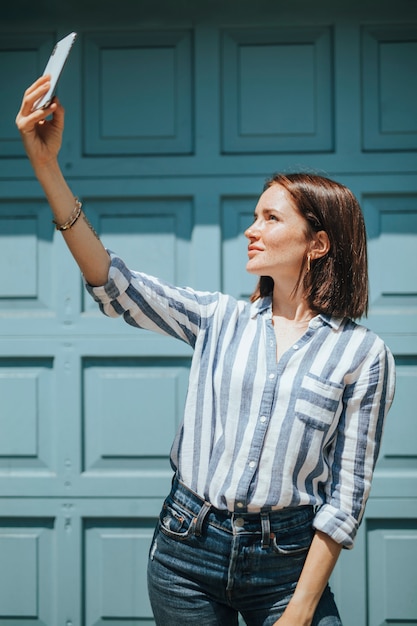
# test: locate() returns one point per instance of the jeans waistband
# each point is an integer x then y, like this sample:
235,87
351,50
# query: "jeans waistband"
263,522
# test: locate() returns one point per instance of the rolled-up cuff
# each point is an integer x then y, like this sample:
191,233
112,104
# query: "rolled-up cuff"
118,281
340,526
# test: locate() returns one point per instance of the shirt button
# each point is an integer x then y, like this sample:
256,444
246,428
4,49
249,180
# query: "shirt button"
271,376
252,464
239,505
262,419
296,346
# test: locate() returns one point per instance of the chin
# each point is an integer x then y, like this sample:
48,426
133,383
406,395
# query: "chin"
253,270
250,270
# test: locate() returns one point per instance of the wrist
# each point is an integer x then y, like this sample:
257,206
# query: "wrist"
46,169
301,608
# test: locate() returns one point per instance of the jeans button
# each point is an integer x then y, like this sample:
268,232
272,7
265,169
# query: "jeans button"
239,522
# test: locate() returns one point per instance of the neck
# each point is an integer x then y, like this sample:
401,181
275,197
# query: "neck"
292,309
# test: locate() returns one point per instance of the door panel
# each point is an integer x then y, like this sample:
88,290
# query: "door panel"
392,552
258,114
389,122
116,553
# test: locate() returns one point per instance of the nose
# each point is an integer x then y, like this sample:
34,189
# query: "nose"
252,232
249,233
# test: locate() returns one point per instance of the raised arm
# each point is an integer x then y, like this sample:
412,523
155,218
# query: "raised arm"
42,139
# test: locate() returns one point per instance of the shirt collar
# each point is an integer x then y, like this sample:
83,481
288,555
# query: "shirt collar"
262,305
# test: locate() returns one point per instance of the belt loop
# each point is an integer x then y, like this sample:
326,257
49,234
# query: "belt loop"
199,520
266,530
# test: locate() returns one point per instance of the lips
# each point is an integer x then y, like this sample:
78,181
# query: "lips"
253,249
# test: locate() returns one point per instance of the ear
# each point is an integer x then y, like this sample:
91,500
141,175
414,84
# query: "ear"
320,245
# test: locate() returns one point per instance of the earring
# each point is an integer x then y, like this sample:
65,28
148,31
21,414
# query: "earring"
308,262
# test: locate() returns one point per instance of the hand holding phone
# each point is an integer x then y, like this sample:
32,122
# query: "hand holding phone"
54,67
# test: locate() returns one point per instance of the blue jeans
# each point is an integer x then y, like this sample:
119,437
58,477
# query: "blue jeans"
206,566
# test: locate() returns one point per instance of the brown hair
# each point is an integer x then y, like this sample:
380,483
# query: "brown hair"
337,283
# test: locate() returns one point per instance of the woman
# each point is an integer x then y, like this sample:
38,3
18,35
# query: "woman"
286,402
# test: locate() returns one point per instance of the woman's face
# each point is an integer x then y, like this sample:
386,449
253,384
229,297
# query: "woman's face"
277,239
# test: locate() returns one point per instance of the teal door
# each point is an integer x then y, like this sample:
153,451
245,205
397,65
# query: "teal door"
175,115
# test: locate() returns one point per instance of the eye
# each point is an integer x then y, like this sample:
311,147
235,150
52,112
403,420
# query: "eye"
272,218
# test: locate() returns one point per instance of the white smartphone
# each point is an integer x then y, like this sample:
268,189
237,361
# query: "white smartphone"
55,66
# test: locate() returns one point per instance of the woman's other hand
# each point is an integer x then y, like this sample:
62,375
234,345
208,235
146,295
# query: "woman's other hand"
291,618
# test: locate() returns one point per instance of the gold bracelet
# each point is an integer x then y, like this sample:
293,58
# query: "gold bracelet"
72,218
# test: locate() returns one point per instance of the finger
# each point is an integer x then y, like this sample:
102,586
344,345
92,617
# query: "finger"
57,110
28,117
27,120
39,81
41,85
36,90
38,94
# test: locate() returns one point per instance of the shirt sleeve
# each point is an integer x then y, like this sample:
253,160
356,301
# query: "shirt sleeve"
152,304
356,446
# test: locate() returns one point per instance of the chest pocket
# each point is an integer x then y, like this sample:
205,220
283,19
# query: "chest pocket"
318,401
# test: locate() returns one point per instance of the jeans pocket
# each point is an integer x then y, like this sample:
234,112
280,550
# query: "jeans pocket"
296,542
176,522
289,549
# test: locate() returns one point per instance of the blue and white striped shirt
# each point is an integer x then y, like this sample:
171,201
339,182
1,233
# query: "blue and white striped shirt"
258,434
